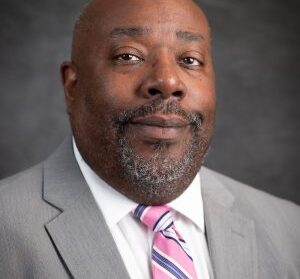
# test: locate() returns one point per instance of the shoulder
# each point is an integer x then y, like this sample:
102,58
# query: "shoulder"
246,194
24,241
268,210
21,198
276,221
22,182
29,183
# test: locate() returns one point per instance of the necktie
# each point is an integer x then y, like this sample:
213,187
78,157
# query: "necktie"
170,255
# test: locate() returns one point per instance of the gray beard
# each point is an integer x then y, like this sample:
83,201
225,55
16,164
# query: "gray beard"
159,170
160,175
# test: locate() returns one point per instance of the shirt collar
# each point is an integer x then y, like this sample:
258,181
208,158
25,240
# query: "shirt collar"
189,203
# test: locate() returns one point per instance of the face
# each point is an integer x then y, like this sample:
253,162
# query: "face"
140,94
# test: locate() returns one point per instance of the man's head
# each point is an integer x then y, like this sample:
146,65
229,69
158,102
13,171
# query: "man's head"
140,94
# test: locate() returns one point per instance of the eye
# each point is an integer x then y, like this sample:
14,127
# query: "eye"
191,61
127,58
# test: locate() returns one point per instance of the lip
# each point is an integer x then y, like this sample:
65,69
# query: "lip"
159,128
161,121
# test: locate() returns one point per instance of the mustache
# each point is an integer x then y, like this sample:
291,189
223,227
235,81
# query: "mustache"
158,105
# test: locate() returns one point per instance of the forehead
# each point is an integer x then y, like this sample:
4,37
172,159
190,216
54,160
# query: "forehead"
156,15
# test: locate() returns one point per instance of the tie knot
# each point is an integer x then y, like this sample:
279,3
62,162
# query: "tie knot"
156,218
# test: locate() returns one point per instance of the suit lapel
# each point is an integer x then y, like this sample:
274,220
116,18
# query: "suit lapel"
79,233
231,236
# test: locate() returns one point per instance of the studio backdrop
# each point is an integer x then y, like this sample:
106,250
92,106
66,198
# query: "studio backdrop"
256,48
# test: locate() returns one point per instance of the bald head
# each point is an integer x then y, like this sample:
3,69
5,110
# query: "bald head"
99,12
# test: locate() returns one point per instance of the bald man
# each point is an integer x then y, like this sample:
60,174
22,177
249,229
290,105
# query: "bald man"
140,95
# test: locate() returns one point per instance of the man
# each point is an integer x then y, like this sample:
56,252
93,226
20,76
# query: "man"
140,95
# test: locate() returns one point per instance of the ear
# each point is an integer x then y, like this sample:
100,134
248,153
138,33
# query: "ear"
69,77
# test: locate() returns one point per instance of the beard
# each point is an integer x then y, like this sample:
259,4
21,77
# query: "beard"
160,177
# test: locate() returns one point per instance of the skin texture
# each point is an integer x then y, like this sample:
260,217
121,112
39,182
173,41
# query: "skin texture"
140,94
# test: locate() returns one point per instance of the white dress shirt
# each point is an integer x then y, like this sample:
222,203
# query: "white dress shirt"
133,239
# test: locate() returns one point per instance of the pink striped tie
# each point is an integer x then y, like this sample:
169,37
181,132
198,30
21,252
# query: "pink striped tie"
170,256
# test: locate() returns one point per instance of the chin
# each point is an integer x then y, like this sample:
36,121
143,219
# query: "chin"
157,181
157,194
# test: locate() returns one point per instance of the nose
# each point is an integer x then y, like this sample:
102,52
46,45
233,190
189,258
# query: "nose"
163,79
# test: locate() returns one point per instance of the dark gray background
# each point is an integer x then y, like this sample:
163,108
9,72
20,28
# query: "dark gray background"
256,53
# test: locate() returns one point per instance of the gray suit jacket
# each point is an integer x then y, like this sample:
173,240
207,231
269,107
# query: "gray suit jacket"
51,227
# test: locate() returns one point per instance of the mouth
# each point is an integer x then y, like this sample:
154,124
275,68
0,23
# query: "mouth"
159,128
161,121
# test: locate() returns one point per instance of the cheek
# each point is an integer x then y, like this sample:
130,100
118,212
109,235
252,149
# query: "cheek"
114,91
201,96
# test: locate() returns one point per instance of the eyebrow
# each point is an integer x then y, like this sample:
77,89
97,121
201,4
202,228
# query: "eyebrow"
189,36
141,31
130,32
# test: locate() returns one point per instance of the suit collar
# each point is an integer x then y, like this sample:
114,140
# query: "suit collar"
79,233
231,236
